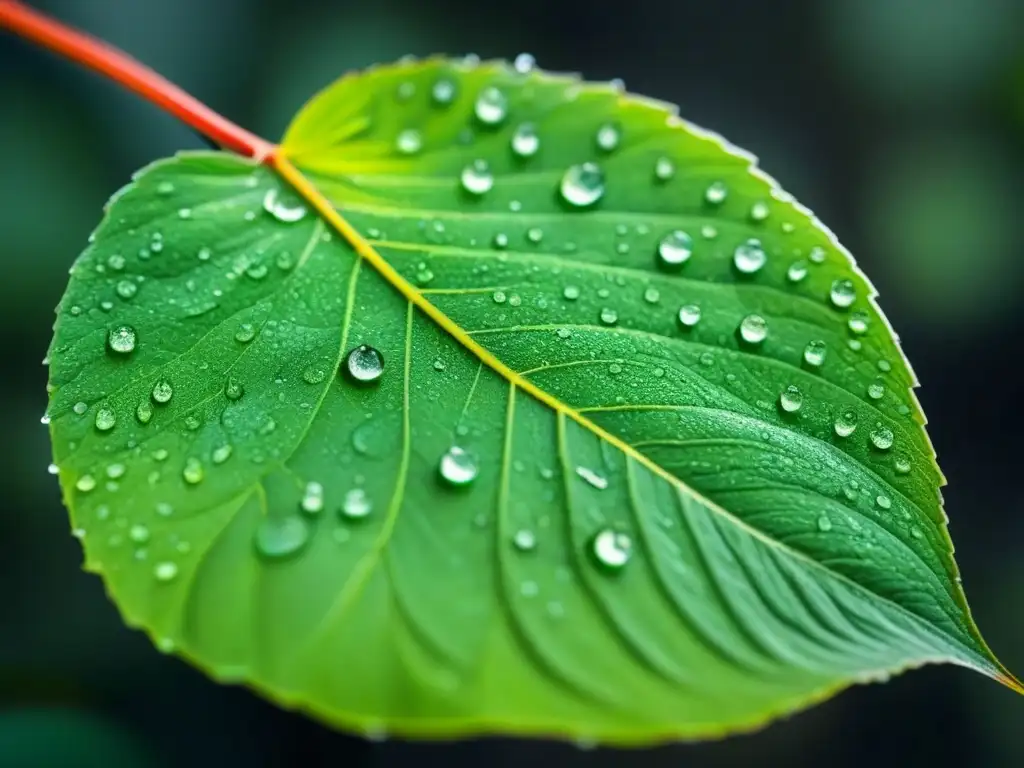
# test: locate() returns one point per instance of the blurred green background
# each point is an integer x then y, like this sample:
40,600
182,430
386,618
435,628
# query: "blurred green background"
900,122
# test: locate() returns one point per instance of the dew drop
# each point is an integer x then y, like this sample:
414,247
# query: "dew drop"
281,537
499,297
571,293
689,315
409,141
313,375
443,92
664,169
144,412
476,178
882,438
652,295
501,241
222,453
524,540
817,255
753,329
535,234
815,353
842,293
139,534
79,408
876,390
126,289
592,478
797,271
162,392
234,389
749,256
611,549
525,141
312,498
165,572
791,399
285,207
245,333
364,364
491,106
524,63
759,211
716,193
845,423
457,467
582,185
902,464
883,502
85,483
193,471
122,340
356,504
824,524
858,323
609,316
105,419
608,136
674,250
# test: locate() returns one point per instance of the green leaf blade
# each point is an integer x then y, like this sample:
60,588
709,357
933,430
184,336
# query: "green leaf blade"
653,545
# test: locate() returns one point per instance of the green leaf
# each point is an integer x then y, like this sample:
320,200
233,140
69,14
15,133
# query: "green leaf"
583,428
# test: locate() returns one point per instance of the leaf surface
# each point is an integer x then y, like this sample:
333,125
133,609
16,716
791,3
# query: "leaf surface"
582,428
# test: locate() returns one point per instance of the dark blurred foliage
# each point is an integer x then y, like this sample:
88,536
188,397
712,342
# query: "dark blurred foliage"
900,122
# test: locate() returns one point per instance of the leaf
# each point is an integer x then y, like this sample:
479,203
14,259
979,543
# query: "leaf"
584,428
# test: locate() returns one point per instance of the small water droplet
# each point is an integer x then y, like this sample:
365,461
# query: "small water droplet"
759,211
674,250
791,399
356,504
902,464
534,235
817,255
477,178
283,206
491,106
501,241
525,140
222,453
876,390
105,419
79,408
611,549
53,469
443,92
193,471
234,389
162,392
608,136
524,63
245,333
842,293
524,540
139,534
499,297
364,364
571,292
122,340
815,353
882,438
409,141
312,498
689,315
165,571
281,537
85,483
753,329
824,524
592,478
749,256
664,169
582,185
144,412
797,271
845,423
858,323
652,295
314,375
457,467
883,502
609,316
716,193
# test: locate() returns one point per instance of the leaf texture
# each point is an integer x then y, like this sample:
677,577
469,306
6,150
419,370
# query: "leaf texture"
584,428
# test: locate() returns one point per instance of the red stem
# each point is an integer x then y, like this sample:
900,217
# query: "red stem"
120,67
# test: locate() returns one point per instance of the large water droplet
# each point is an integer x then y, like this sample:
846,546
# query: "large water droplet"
122,340
791,399
689,315
525,141
608,136
364,364
477,178
845,423
753,329
162,392
882,438
749,256
105,419
674,250
842,293
611,549
312,498
409,141
283,206
491,106
815,353
582,185
281,537
458,467
356,504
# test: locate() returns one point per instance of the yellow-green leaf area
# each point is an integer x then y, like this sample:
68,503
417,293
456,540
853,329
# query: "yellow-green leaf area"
584,429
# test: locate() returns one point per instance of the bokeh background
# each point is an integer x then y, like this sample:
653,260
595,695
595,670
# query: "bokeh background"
900,122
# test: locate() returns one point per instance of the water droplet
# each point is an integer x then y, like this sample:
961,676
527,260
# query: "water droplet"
882,438
797,271
356,504
759,211
571,292
193,471
499,297
457,467
524,540
689,315
716,193
753,329
162,392
842,293
664,169
281,537
609,316
234,389
405,91
501,240
592,478
791,399
815,353
824,524
524,63
674,250
85,483
144,412
883,502
845,423
491,106
534,235
53,469
312,498
121,340
164,188
884,366
582,185
817,255
245,333
409,141
902,464
525,141
858,323
105,419
222,453
477,178
611,549
139,534
283,206
364,364
79,408
749,256
608,136
165,571
313,375
443,92
876,390
652,295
